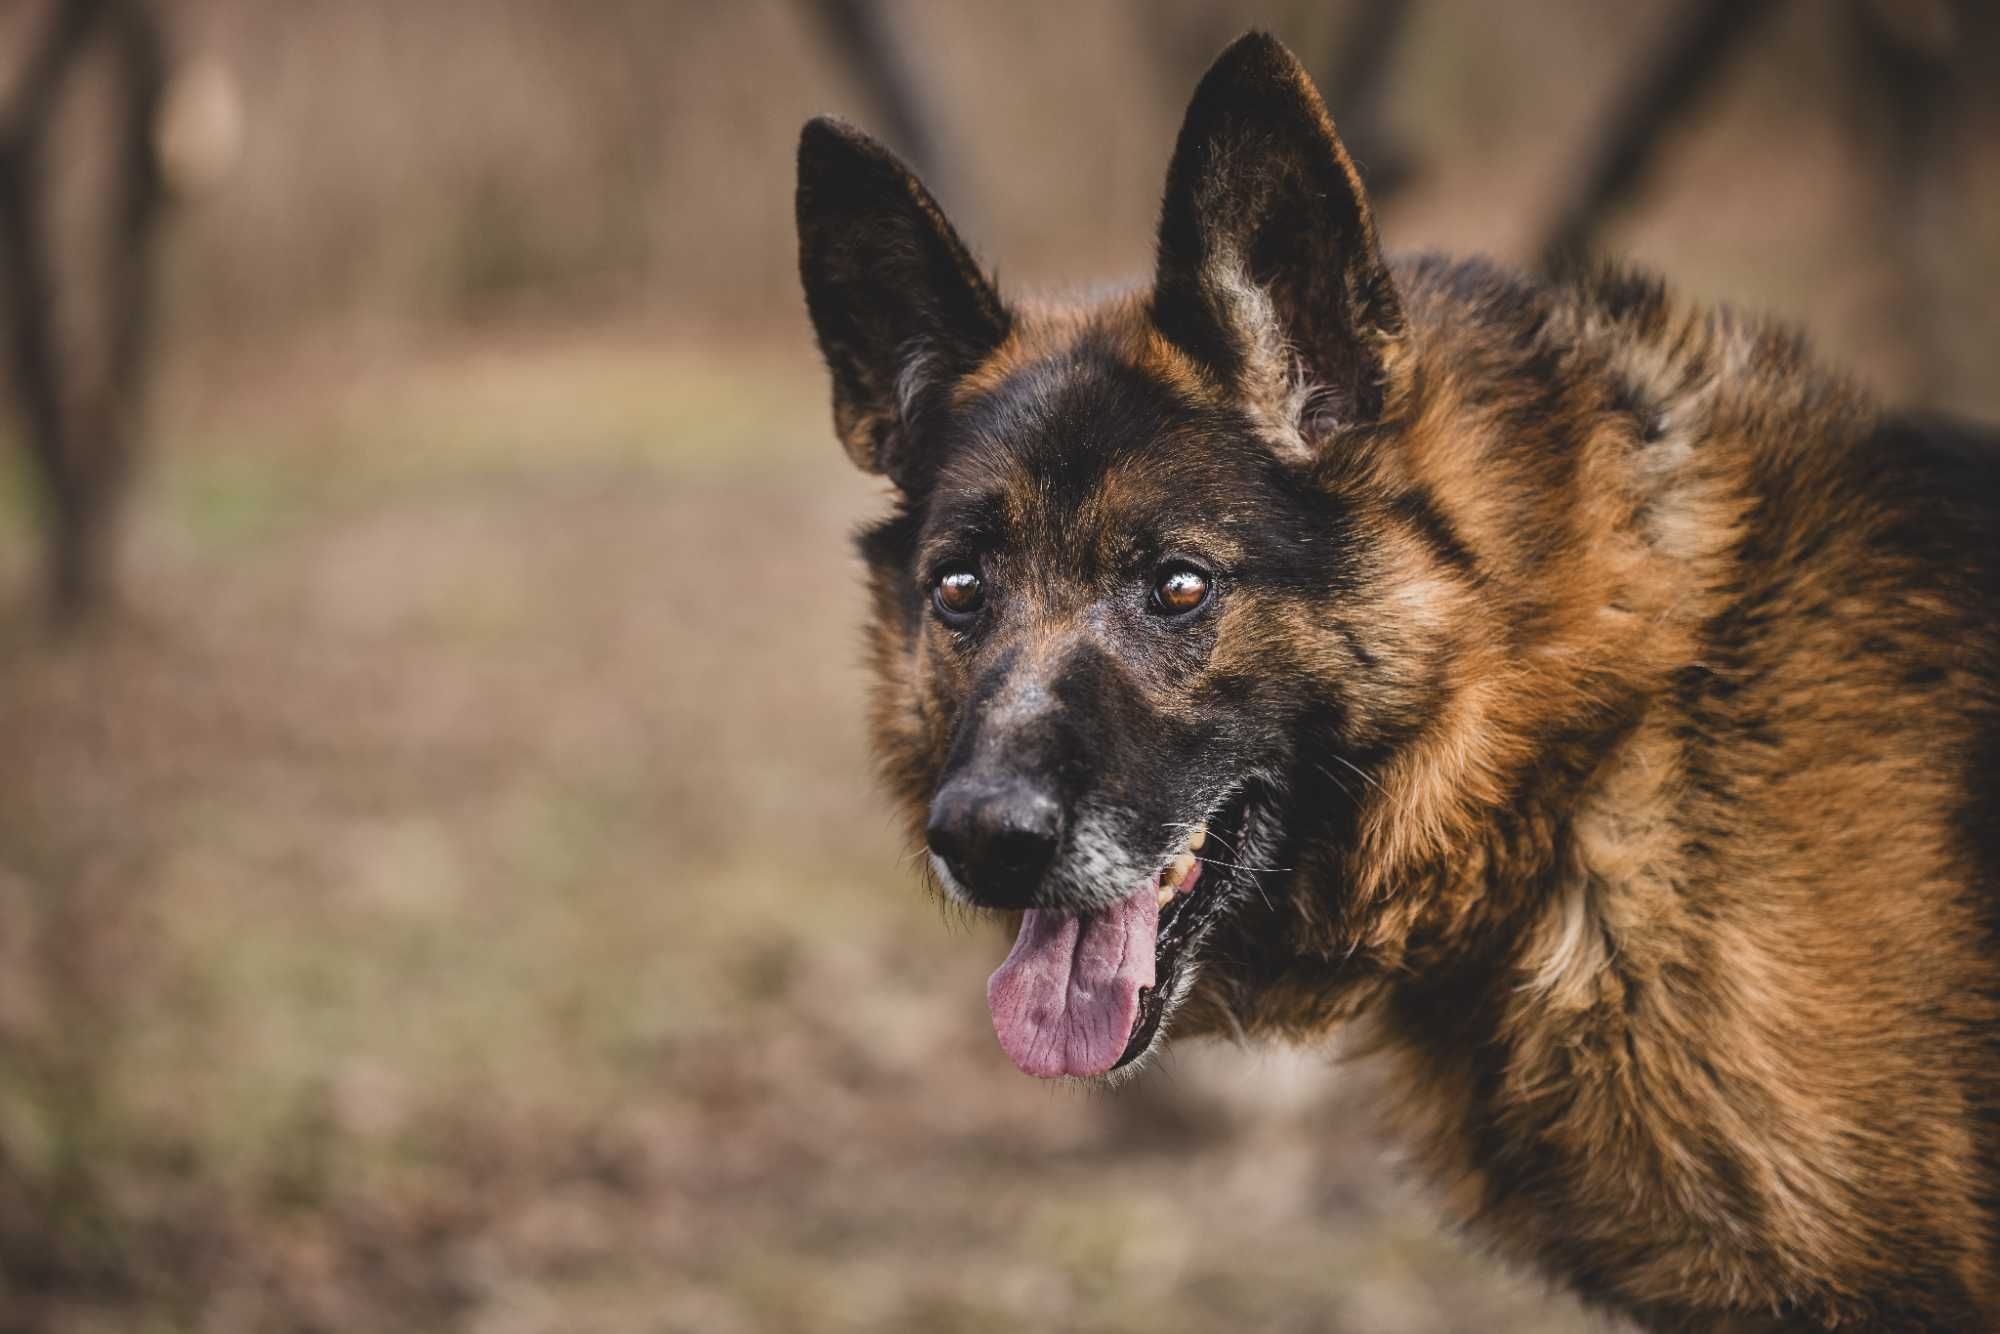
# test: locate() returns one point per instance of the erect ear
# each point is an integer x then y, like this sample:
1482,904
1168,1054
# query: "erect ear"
1269,271
900,307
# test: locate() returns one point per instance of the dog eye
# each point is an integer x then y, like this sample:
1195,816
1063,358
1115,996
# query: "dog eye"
959,593
1179,590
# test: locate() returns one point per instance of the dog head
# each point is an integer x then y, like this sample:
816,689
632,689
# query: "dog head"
1137,587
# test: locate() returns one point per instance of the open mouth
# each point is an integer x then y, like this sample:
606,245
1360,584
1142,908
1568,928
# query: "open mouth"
1081,996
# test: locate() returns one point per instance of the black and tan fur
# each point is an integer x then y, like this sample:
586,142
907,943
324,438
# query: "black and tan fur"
1610,696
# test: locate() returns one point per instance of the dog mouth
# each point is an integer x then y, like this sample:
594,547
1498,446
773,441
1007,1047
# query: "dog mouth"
1083,995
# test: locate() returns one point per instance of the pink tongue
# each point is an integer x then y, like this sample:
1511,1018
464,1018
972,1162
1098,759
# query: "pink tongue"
1064,1001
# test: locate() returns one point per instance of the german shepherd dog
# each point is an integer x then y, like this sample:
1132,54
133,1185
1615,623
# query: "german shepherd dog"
1593,697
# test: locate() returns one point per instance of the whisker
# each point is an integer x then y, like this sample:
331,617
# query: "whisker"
1258,884
1266,898
1191,825
1363,774
1238,866
1334,778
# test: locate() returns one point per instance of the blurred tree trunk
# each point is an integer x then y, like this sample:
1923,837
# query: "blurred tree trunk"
1686,67
1350,50
1912,61
81,428
1353,74
867,45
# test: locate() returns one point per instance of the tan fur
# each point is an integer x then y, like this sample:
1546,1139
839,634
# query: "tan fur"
1787,1023
1645,772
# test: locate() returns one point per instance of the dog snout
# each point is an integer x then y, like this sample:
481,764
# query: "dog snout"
997,836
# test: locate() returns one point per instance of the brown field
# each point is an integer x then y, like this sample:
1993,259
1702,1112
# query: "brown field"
449,892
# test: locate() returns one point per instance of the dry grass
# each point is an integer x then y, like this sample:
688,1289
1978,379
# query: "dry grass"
455,901
452,897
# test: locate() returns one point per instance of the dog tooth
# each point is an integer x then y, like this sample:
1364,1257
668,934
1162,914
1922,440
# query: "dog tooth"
1166,896
1177,870
1197,838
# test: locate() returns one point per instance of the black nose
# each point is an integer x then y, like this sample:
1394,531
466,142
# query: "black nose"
998,837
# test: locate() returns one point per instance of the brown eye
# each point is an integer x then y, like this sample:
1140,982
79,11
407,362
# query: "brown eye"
959,593
1181,589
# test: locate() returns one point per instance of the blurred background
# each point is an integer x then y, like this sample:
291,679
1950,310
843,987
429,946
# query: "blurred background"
441,885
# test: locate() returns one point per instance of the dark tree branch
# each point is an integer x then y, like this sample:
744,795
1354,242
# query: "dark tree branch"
142,49
1686,68
1354,78
69,30
867,43
81,444
30,288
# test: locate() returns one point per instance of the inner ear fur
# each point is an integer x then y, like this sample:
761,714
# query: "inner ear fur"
898,303
1269,270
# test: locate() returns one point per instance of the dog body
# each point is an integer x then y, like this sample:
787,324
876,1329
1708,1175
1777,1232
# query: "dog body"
1590,697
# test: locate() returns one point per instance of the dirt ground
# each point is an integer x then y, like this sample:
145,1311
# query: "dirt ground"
453,898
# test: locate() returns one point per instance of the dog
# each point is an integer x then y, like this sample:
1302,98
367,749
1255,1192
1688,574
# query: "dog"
1589,699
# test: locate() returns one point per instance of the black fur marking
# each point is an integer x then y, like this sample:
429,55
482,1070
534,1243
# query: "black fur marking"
1416,507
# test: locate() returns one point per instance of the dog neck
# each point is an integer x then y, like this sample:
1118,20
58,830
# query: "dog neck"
1610,1031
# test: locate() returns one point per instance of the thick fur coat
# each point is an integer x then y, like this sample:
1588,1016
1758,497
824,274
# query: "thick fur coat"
1590,696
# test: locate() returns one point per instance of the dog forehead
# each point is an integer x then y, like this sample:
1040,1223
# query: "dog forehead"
1081,438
